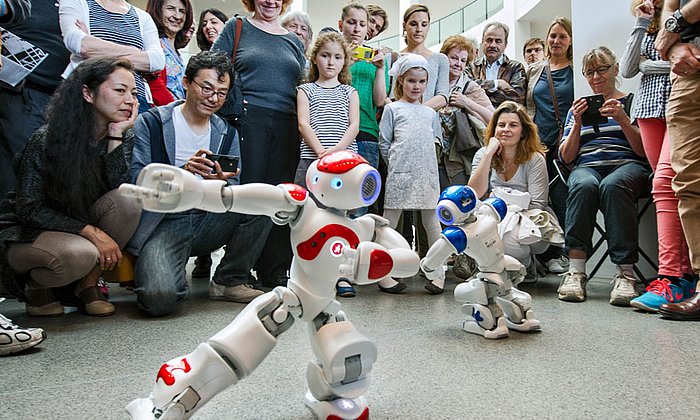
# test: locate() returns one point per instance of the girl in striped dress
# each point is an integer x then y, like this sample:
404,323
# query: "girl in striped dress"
328,108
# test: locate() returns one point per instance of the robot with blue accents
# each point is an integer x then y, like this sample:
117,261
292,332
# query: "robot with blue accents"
327,245
490,299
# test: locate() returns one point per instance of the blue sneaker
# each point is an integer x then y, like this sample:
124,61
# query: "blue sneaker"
344,289
662,291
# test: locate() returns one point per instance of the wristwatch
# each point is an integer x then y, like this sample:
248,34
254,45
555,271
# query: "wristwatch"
676,23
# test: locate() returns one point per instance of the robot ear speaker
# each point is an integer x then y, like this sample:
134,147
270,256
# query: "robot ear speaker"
371,185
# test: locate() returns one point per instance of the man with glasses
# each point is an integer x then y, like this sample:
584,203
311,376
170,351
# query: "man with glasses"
186,134
533,51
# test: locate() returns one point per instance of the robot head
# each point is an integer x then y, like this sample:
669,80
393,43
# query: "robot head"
343,180
456,204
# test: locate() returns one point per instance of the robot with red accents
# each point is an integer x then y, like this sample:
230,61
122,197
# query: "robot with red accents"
327,245
492,303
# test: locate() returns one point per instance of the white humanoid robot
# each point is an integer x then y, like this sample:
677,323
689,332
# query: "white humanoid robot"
327,245
491,293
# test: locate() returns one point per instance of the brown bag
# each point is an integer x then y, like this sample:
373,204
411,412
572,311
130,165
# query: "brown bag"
467,138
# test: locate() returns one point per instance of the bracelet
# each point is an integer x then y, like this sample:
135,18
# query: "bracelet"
111,137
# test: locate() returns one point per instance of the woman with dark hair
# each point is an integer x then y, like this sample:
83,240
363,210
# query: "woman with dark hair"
173,18
65,222
211,23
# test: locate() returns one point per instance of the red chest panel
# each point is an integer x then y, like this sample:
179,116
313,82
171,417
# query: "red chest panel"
166,371
297,192
309,249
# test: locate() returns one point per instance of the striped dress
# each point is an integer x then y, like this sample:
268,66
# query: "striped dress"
329,114
119,28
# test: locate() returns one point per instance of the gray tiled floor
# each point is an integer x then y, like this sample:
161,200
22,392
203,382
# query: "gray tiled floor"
591,360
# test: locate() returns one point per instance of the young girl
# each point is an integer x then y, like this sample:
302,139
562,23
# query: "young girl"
408,133
328,108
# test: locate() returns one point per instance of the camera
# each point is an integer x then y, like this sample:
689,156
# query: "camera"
363,53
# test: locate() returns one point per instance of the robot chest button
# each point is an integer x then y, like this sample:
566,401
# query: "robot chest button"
314,244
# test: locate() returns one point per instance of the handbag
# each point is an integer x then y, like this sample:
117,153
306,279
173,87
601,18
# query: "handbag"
466,136
232,109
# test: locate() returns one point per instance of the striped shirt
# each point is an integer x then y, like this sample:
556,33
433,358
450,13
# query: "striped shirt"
608,147
118,28
329,115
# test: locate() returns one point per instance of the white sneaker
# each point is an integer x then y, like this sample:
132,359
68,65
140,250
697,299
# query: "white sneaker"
573,287
243,293
14,338
558,265
623,289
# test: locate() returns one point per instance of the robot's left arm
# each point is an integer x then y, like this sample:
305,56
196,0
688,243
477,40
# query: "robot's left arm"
168,189
453,240
388,255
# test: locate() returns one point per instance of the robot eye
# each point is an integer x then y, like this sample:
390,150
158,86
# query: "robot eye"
314,180
337,183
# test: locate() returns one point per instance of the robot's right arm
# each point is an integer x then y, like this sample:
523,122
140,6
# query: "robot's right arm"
167,189
453,240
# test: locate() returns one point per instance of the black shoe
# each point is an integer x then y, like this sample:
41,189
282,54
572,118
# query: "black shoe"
433,289
202,267
395,289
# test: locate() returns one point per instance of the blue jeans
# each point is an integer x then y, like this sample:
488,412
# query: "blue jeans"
160,267
370,151
615,191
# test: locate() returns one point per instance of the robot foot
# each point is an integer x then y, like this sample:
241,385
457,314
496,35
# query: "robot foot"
525,325
500,331
141,409
338,409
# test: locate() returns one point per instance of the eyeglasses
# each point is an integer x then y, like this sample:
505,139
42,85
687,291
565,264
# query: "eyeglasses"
533,50
207,91
602,71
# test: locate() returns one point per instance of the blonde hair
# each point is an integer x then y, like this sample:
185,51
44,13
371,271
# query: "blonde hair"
529,143
566,24
324,38
350,6
398,85
655,24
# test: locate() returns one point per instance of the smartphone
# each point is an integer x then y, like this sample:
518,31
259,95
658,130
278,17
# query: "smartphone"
228,163
591,116
363,53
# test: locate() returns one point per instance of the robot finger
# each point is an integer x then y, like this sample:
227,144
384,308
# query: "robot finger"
131,190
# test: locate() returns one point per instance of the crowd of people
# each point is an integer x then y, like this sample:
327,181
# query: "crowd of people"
115,94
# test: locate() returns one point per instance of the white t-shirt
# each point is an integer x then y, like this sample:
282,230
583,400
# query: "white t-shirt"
187,142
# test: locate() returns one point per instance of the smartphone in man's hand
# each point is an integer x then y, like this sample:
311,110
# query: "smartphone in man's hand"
228,163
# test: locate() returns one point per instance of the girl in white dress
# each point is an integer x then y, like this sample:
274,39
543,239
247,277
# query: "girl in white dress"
408,134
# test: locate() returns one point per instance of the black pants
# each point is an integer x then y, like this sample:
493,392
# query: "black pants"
270,154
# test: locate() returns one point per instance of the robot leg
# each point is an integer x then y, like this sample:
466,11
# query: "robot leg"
340,375
518,313
186,383
484,317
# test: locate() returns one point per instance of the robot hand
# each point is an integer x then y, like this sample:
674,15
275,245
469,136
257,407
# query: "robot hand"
367,264
167,189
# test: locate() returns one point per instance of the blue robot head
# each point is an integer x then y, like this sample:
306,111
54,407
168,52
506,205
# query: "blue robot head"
456,204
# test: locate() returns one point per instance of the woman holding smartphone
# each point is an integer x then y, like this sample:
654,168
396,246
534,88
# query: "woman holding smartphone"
609,173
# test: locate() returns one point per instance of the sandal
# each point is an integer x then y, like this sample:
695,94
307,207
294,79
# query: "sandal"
93,303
